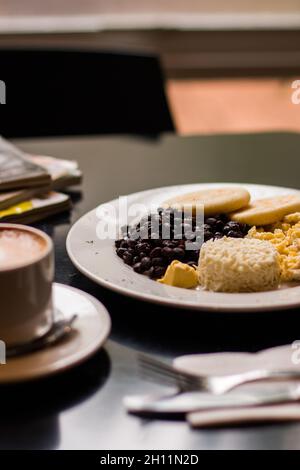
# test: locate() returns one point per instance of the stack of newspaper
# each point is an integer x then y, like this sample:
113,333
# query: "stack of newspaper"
29,184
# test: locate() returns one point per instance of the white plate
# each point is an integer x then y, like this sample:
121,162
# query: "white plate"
90,330
97,260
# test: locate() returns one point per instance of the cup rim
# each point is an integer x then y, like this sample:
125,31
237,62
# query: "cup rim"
35,259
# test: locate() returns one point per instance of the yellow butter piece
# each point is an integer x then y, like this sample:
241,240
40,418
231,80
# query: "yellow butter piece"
180,275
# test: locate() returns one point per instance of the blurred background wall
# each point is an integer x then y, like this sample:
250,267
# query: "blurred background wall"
229,65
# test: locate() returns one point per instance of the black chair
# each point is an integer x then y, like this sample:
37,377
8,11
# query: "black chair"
59,92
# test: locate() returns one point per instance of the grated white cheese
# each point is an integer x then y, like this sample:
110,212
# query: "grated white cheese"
238,265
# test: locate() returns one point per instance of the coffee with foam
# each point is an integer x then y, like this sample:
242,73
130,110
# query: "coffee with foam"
26,276
18,247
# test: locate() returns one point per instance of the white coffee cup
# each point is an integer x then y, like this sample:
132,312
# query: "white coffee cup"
26,276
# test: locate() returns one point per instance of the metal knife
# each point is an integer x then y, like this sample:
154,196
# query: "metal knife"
196,401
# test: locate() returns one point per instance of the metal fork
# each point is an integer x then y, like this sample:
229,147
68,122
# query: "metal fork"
163,373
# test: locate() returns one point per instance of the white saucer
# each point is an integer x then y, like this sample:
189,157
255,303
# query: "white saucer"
91,329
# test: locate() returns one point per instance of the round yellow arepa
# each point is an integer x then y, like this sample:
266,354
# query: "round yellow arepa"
267,211
214,201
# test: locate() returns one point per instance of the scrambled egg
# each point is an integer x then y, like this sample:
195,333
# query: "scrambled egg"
180,275
285,236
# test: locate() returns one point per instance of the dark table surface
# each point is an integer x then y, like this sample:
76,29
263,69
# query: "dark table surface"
83,407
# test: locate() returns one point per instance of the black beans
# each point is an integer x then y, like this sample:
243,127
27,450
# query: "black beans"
173,244
219,225
138,268
226,229
244,228
192,255
142,247
233,225
128,258
210,221
178,253
158,239
121,251
208,235
149,272
167,252
218,235
158,261
159,271
234,234
146,263
155,252
131,244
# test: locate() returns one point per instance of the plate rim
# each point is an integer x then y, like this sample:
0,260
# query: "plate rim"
169,302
